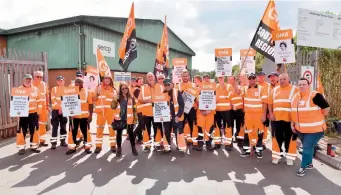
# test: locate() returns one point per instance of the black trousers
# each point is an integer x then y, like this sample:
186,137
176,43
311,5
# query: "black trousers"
178,128
167,127
29,123
81,123
191,119
130,131
139,128
223,119
148,122
56,121
281,130
239,117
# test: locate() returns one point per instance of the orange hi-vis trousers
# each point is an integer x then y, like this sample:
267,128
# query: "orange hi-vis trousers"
205,126
282,134
147,126
102,119
42,125
28,123
254,129
223,121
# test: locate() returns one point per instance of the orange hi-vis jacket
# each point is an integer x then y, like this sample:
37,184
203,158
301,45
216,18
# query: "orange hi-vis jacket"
266,87
237,99
281,99
130,112
183,86
86,99
223,97
254,97
44,91
271,88
189,88
147,92
307,116
35,105
105,97
175,102
56,101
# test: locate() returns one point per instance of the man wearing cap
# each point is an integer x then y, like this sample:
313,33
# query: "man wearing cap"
132,85
30,122
57,116
273,80
176,105
147,96
103,97
45,102
255,106
266,86
205,117
83,120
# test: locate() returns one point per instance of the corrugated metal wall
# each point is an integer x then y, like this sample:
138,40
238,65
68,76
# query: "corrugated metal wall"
146,51
61,44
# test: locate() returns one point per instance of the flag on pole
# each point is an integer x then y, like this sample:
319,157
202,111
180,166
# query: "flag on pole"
262,40
102,65
128,48
162,54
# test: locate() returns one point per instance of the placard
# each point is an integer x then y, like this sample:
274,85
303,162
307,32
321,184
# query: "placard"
121,77
161,112
284,46
71,103
19,104
207,100
189,101
247,61
316,29
179,66
223,62
91,78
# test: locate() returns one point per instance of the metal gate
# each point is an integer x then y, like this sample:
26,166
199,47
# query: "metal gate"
13,65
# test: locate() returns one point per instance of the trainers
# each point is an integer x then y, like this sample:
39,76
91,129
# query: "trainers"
259,154
146,149
300,172
43,145
70,152
290,162
310,166
87,151
245,154
275,161
300,150
35,150
228,147
98,150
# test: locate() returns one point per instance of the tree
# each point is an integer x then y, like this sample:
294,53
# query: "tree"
235,69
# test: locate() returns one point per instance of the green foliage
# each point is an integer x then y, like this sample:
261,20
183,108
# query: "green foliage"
235,69
202,73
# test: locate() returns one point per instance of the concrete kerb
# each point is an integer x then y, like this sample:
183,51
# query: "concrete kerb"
334,162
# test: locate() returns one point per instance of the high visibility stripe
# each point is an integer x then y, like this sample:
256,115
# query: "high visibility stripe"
311,124
282,109
104,106
253,99
42,123
253,106
282,101
236,98
306,109
109,99
223,104
222,96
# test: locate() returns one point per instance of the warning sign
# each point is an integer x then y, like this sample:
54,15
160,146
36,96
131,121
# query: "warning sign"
308,73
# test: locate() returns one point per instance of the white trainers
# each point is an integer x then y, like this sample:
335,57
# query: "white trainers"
275,161
290,162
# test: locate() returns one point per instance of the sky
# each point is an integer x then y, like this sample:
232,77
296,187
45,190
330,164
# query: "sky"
202,24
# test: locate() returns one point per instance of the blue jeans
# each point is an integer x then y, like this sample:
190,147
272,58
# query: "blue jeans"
309,142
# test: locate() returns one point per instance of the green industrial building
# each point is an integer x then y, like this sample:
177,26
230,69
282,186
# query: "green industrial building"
70,44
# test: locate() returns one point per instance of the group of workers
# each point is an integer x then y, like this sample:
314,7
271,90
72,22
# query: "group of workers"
252,107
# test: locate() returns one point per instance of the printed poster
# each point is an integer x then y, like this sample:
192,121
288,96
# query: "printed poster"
71,103
121,77
284,46
207,100
161,112
91,78
179,66
223,62
19,104
188,100
247,61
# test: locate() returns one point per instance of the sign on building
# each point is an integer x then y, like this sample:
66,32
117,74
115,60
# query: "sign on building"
107,48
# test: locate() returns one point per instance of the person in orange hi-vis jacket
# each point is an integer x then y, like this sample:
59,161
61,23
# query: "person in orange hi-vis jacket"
148,91
266,86
189,91
176,105
205,116
223,118
255,107
45,100
136,92
103,97
58,120
237,113
30,122
83,120
308,111
158,144
273,81
280,116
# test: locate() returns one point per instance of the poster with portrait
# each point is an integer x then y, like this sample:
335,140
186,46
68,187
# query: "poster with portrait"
223,62
247,61
91,78
179,66
284,46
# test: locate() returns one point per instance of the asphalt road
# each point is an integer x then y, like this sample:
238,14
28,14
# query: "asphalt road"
199,173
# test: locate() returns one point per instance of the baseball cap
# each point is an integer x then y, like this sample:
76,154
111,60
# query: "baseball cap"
252,75
133,79
261,73
167,82
28,76
79,73
273,74
60,78
206,75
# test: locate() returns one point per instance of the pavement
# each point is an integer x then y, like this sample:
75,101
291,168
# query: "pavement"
198,173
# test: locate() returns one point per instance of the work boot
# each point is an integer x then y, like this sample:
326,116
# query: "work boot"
264,146
182,154
70,152
87,151
146,149
134,151
200,146
240,143
158,148
228,147
98,150
21,152
209,146
113,149
43,144
245,154
63,143
35,151
119,152
53,146
78,143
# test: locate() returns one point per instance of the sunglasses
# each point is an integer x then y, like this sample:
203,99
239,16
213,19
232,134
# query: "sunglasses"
160,79
38,77
252,78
